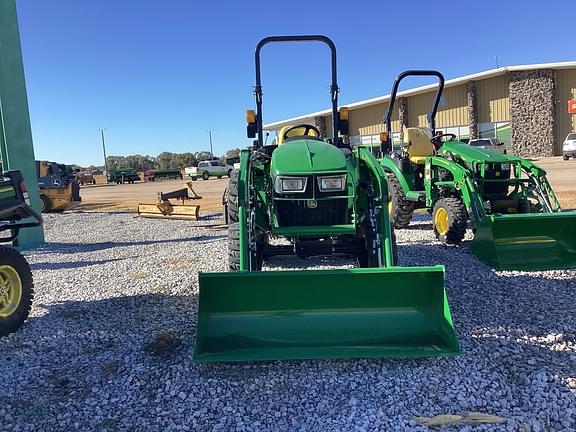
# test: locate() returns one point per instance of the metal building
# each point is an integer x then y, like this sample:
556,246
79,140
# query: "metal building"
526,107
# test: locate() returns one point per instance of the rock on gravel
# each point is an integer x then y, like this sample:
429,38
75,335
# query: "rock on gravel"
108,344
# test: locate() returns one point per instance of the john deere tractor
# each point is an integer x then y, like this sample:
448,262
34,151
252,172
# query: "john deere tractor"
310,195
507,201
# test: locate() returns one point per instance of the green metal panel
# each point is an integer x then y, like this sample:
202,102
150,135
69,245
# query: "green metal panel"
15,132
536,241
303,231
376,312
304,156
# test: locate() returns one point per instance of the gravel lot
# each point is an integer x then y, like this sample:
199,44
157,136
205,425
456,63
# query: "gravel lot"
109,340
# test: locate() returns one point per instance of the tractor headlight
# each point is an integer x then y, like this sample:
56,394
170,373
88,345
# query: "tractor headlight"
332,183
290,184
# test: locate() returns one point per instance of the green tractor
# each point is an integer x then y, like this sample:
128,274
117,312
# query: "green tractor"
308,195
507,201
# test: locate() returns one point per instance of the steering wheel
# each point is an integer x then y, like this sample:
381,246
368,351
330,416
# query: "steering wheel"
307,128
437,139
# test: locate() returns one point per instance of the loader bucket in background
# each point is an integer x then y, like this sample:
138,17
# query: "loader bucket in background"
537,241
324,314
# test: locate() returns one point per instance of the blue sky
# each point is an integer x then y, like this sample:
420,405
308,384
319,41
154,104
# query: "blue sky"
158,75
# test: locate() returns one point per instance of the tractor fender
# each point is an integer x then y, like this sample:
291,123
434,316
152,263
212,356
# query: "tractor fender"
390,167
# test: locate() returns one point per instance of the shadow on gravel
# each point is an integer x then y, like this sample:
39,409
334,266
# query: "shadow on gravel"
71,264
56,247
142,326
524,323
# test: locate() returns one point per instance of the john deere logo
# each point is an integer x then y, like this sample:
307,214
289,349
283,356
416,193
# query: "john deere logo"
312,203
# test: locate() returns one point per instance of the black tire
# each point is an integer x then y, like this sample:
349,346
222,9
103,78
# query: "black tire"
454,228
45,205
93,182
233,198
230,173
402,209
234,250
194,178
205,175
565,157
234,247
12,261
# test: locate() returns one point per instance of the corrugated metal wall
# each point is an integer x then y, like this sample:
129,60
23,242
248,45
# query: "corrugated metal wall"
369,120
565,90
453,113
493,106
493,99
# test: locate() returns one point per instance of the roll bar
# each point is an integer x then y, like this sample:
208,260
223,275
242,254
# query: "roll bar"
431,114
333,87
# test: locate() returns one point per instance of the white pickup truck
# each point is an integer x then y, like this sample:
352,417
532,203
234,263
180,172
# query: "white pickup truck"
207,169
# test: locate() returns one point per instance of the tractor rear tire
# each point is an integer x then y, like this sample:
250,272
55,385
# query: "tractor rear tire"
233,198
18,290
402,208
449,218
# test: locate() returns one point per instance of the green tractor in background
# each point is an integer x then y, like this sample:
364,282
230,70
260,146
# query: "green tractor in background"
307,195
507,201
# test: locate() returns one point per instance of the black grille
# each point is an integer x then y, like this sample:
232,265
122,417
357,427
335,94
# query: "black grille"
327,212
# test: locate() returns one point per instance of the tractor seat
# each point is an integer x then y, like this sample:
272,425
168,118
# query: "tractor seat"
417,144
291,132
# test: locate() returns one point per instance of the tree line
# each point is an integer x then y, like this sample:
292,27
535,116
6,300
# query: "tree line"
164,160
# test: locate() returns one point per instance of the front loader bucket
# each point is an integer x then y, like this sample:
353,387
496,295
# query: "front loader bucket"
324,314
536,241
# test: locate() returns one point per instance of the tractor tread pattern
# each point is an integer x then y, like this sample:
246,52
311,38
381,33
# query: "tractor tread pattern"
233,197
402,208
457,220
234,246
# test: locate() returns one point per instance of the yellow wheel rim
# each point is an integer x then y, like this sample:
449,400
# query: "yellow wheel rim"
10,290
441,221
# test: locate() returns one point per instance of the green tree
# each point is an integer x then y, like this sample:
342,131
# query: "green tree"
203,155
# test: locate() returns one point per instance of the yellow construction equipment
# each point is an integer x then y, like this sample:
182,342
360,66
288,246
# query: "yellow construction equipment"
164,208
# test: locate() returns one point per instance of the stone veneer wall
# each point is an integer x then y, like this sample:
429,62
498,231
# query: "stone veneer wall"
532,112
320,123
472,108
403,115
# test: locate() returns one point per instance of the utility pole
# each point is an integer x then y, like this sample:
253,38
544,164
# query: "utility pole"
210,134
104,150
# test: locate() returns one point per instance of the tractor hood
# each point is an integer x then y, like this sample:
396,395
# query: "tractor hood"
475,154
305,156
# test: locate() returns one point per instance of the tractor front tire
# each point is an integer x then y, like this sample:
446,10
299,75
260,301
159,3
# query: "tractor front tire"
234,246
402,208
16,292
234,250
449,218
233,198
